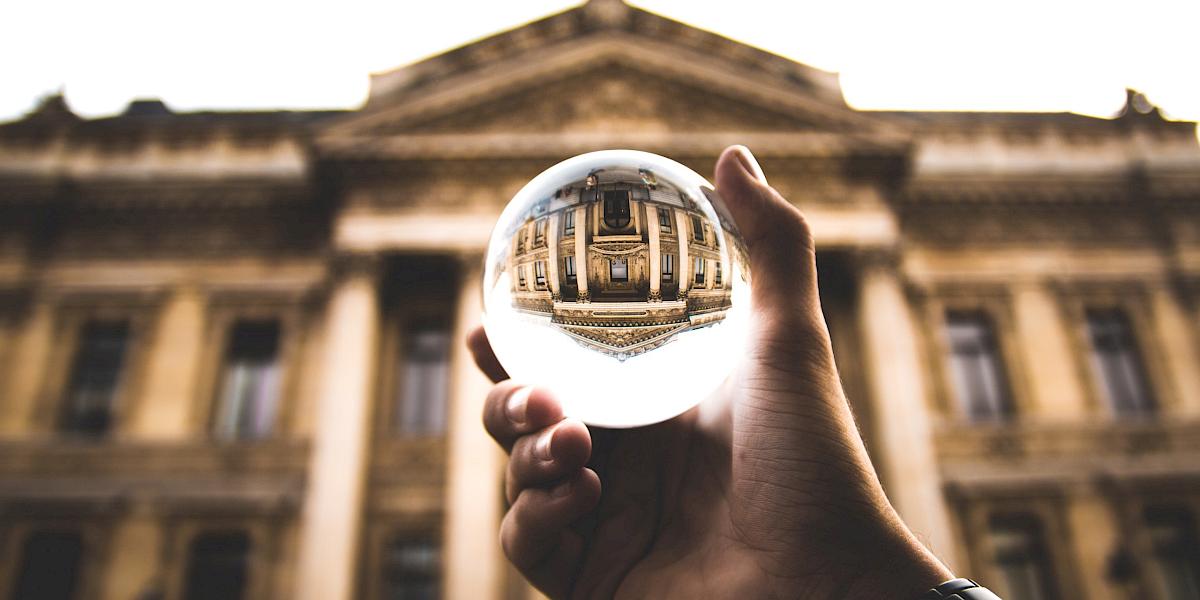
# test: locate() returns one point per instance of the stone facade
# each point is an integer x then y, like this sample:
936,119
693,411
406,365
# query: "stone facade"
1014,301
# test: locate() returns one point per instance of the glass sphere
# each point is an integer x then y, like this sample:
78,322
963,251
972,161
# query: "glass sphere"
617,280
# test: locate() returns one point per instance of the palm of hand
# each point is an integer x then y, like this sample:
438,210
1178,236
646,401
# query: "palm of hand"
663,517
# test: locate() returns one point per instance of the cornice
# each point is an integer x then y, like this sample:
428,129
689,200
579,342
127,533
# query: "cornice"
555,145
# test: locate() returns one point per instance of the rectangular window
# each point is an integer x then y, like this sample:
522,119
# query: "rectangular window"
49,565
217,566
521,277
616,208
95,376
539,232
717,273
698,269
618,269
569,221
1175,551
668,267
569,265
1020,554
412,569
425,379
979,378
1118,363
248,397
539,274
664,219
697,229
521,240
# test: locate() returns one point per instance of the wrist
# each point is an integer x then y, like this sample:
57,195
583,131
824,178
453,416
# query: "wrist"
890,564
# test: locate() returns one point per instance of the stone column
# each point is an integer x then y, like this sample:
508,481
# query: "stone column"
685,262
33,339
552,261
1056,391
581,256
329,537
652,228
904,448
472,558
164,409
1178,342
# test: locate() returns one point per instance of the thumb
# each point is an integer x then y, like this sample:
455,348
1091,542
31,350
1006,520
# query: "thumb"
778,241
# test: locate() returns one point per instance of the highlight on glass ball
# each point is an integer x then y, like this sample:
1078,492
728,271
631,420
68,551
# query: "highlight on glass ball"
617,280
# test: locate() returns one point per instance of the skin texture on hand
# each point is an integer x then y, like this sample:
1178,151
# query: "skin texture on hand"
763,491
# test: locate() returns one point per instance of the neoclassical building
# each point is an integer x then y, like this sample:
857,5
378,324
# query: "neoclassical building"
230,358
620,261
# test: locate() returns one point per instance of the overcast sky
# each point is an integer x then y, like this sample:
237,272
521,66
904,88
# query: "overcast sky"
1042,55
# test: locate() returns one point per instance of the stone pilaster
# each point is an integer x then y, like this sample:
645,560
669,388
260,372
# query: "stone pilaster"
581,254
904,449
164,407
552,262
331,521
1056,391
1177,336
472,558
684,268
652,230
34,339
136,551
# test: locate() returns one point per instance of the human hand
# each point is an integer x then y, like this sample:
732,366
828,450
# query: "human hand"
765,490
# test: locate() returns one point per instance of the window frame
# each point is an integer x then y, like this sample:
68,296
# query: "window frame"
698,229
994,300
296,343
699,277
263,539
72,313
539,274
1074,299
612,263
569,267
569,221
1006,411
96,536
667,267
665,219
612,218
1143,405
218,385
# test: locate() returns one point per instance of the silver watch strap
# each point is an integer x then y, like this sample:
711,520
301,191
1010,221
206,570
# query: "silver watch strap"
959,589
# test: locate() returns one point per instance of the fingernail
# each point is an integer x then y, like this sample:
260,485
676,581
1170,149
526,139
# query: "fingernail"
561,489
541,448
517,402
750,164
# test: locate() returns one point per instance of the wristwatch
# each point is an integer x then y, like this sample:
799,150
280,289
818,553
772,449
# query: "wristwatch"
959,589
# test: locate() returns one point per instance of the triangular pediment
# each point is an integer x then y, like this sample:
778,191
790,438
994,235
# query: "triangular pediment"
607,96
604,66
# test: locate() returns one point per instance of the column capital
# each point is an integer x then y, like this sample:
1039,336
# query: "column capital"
344,265
881,258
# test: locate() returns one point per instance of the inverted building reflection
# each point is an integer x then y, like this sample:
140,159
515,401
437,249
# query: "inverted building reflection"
621,261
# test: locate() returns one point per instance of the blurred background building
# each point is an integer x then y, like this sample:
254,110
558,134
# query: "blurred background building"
230,357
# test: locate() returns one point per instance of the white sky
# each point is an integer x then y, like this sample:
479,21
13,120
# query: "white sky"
1044,55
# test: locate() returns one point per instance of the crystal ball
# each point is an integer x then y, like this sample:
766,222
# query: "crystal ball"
617,280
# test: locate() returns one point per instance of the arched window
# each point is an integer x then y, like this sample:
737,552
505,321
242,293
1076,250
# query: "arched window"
616,208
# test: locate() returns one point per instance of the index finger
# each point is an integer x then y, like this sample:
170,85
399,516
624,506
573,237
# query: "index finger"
485,358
